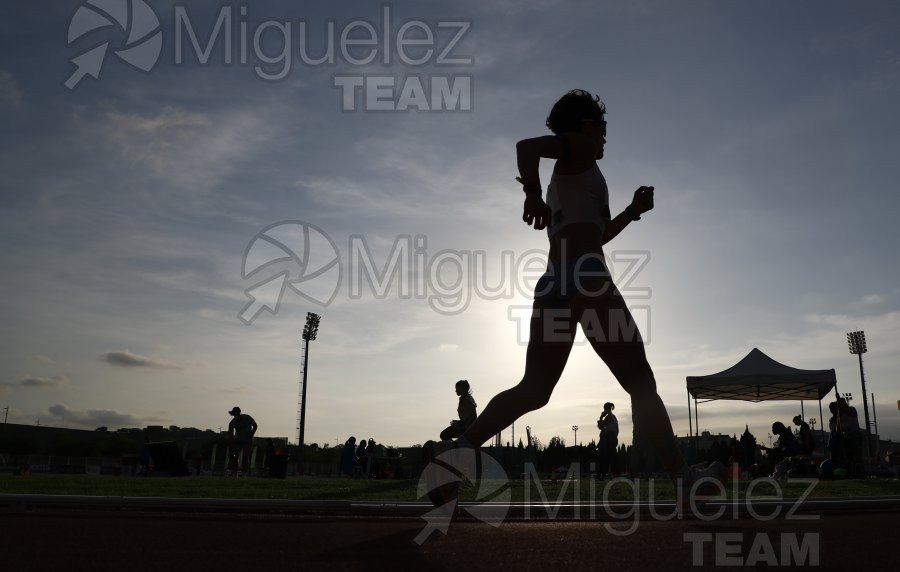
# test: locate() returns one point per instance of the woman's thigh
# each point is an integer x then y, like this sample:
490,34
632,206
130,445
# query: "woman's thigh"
551,335
611,330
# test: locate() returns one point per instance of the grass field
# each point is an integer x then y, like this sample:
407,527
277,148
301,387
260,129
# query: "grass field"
405,490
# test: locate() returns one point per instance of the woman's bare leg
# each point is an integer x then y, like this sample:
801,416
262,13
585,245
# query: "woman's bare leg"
611,331
551,335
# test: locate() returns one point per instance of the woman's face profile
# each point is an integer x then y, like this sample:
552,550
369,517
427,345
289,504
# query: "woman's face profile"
596,129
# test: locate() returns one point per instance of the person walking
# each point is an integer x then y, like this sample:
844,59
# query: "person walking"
576,289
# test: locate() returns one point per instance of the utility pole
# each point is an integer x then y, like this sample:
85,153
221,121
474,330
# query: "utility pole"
5,414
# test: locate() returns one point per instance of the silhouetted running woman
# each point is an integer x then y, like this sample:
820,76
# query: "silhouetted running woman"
577,288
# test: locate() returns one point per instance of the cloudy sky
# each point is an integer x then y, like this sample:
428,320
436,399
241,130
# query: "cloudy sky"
129,202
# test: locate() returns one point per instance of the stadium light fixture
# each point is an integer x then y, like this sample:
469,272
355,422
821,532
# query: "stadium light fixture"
857,342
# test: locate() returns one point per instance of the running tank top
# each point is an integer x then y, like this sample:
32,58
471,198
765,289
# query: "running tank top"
583,197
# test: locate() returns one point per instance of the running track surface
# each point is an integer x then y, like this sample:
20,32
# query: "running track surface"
130,540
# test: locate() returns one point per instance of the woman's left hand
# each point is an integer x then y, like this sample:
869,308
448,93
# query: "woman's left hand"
536,213
643,200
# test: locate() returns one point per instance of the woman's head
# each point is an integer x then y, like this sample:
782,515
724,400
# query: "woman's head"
574,109
462,387
608,406
778,428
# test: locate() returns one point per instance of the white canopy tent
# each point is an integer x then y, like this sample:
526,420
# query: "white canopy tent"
757,378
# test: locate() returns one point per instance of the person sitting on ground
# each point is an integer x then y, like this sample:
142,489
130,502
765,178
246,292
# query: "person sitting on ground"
780,454
467,411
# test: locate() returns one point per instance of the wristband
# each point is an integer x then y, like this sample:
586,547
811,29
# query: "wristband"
632,214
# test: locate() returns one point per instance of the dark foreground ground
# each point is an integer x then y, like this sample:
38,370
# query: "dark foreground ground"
130,540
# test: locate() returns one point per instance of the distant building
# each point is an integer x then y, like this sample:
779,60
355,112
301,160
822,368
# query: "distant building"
705,441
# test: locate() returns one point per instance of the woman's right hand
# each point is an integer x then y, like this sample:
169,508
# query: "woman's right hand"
536,212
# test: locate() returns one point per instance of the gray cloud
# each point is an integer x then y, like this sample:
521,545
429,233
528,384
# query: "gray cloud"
43,382
241,390
126,358
92,418
10,92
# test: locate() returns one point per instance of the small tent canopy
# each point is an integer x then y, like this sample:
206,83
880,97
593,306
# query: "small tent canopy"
758,377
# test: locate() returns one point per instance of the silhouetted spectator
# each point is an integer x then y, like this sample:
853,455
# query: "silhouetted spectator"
780,454
807,440
609,440
853,437
275,459
467,411
348,457
835,435
241,430
371,461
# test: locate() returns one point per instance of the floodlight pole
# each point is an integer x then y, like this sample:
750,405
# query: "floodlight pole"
302,429
862,377
874,415
857,343
575,429
310,330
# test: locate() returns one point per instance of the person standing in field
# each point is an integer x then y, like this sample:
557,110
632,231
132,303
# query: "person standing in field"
241,430
609,440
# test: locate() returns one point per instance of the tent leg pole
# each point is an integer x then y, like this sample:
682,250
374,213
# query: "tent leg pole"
822,429
696,419
690,425
802,415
